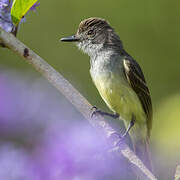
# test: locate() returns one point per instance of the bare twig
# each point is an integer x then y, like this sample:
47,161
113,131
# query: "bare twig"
81,104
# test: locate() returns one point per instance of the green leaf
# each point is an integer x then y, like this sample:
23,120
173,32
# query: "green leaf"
20,8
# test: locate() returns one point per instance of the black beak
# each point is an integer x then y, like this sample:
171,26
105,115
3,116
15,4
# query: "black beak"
70,39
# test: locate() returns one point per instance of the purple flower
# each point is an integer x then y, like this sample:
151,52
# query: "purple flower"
5,15
3,4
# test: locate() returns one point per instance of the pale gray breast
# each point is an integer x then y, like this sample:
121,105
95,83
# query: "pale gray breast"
105,65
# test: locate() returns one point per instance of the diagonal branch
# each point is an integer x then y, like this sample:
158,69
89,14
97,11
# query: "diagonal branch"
80,103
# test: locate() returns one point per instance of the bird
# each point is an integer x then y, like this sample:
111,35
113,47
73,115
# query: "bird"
119,80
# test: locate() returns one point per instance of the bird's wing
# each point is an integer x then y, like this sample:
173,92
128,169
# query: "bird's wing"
136,79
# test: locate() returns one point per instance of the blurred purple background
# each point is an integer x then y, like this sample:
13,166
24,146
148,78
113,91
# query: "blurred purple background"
43,137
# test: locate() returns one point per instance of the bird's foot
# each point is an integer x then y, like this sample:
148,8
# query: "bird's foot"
96,111
120,138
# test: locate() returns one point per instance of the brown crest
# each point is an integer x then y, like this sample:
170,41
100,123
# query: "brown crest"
90,22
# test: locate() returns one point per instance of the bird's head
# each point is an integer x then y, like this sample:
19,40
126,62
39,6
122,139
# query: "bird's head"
93,35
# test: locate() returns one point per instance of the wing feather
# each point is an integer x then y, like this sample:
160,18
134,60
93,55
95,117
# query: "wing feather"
136,79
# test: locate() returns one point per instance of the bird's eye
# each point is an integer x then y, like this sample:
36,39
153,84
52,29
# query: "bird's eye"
90,32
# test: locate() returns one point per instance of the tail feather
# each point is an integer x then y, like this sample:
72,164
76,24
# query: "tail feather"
141,149
140,140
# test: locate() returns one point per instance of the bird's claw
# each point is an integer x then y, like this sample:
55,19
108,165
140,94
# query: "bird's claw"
95,111
94,108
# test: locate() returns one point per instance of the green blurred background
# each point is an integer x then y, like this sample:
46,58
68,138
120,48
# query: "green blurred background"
150,31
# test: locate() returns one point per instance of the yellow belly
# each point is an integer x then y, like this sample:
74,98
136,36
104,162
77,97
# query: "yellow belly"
120,97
